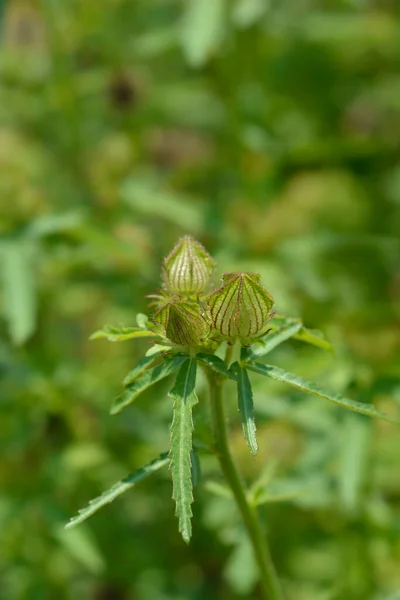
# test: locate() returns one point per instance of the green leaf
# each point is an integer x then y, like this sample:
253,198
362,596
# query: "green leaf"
19,296
142,365
118,489
145,380
246,408
308,336
120,334
185,398
273,339
216,364
202,29
311,388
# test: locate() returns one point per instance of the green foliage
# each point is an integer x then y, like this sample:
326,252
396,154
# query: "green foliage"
146,379
307,386
185,398
269,131
246,408
118,489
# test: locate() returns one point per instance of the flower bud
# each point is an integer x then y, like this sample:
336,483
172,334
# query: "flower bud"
241,307
187,269
183,323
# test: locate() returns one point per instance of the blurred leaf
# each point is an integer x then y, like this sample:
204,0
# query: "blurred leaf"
55,223
120,334
202,29
184,396
246,408
142,365
241,570
309,336
248,12
83,547
216,364
354,450
118,489
196,467
145,380
19,290
147,198
311,388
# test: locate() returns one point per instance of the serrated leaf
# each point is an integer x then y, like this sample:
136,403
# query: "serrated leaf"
120,334
184,396
311,388
272,340
118,489
145,380
19,295
246,408
216,364
141,366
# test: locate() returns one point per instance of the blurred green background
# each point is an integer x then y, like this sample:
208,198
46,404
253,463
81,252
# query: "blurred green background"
270,130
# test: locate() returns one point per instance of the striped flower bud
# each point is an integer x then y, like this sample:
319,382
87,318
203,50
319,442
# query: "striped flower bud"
183,323
241,307
188,268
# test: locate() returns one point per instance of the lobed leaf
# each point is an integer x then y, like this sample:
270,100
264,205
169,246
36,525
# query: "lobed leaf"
120,334
145,380
311,388
246,408
216,364
185,398
118,489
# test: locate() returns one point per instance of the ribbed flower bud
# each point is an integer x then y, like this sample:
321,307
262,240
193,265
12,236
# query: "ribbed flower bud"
188,268
183,323
241,307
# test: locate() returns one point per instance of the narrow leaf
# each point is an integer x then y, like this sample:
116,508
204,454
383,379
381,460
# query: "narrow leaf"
118,489
145,380
142,365
202,30
185,398
120,334
216,364
273,339
311,388
246,408
19,297
308,336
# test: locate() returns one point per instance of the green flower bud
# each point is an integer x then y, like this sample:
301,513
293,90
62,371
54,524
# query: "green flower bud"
188,268
183,323
241,307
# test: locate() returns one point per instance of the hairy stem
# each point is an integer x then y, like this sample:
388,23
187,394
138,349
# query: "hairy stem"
270,584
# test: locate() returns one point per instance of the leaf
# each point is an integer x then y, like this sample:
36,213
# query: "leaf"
145,380
120,334
142,365
216,364
185,398
19,296
118,489
308,336
273,339
196,467
311,388
246,408
82,545
202,30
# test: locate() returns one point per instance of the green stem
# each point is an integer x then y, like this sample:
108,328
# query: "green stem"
269,581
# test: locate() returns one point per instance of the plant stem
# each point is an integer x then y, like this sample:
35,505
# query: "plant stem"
270,584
